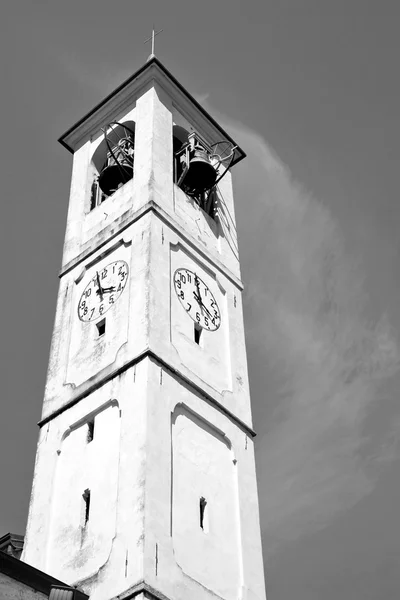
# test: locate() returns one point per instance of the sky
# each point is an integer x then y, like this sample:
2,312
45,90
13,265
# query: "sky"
310,89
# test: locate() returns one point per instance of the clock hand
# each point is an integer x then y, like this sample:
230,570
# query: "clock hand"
100,290
109,289
199,300
196,280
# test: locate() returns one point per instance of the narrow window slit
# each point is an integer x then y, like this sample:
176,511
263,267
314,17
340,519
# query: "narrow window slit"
197,333
203,504
86,507
90,431
101,327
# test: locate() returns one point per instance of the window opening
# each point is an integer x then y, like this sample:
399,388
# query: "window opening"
198,167
203,515
193,170
113,161
90,431
97,197
101,327
86,507
197,333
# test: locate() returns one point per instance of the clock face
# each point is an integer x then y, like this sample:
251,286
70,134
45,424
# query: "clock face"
197,299
103,290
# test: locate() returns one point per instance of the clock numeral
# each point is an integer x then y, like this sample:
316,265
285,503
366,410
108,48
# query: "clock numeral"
189,306
103,290
182,295
212,303
189,278
198,317
183,278
178,284
206,321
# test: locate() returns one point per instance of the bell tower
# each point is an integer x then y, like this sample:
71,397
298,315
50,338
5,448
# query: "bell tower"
144,481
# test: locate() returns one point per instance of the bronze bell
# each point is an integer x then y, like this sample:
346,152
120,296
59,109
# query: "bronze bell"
118,168
201,175
113,176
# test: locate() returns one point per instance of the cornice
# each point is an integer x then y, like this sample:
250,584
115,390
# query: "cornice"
113,373
129,90
111,231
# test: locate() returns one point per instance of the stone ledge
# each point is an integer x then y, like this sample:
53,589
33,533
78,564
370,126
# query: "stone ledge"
172,370
130,217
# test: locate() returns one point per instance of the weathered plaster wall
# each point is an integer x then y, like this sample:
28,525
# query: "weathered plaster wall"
188,442
109,552
218,365
172,417
85,466
204,507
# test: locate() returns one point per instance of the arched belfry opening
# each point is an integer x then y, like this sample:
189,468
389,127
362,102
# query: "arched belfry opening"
112,161
180,137
199,166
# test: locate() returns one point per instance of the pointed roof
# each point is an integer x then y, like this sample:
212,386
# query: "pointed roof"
151,68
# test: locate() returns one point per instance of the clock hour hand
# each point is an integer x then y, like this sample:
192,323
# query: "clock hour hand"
109,289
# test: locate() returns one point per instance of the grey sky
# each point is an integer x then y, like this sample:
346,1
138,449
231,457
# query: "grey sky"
315,83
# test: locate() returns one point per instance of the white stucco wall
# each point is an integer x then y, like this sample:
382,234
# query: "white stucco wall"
163,434
203,467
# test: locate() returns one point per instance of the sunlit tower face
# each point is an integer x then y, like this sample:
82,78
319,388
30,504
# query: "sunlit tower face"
146,432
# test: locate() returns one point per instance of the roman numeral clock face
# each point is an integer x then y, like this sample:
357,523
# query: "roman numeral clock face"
197,299
103,290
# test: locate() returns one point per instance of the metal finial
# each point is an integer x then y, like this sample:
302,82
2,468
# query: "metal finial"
153,35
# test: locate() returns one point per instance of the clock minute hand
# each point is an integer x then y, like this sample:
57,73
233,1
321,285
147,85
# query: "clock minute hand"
198,298
200,301
99,286
197,286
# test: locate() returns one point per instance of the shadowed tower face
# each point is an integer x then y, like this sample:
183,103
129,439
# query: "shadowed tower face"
145,479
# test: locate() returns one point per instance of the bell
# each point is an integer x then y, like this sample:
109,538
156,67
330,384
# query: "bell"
201,175
115,175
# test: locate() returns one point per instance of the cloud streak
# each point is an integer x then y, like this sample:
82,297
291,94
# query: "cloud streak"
322,367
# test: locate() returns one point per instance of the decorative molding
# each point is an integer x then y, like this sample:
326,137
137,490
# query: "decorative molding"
152,71
171,370
131,218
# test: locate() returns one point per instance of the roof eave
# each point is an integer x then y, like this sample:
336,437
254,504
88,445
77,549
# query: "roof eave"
152,61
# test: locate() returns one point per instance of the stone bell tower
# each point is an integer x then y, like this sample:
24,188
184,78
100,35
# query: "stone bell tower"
145,481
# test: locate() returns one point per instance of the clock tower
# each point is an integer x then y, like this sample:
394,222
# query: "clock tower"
144,481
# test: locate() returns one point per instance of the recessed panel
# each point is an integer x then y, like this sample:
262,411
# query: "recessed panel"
99,323
200,319
204,520
84,505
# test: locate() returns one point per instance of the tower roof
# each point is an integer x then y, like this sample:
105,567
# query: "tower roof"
153,68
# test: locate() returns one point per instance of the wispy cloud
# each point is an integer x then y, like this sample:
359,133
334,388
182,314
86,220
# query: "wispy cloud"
323,364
